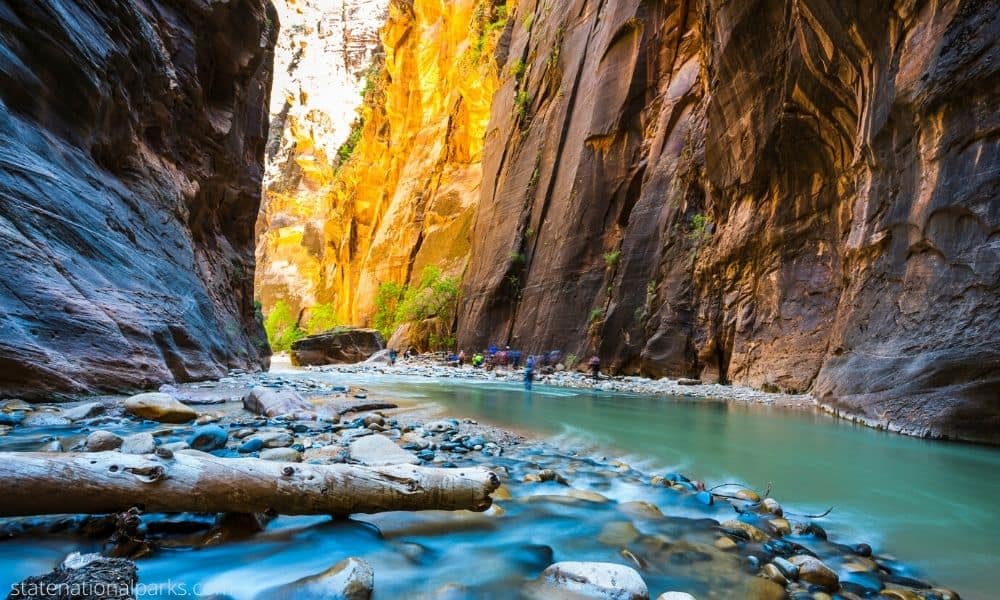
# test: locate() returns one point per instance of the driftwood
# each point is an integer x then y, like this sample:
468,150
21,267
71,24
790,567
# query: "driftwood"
37,483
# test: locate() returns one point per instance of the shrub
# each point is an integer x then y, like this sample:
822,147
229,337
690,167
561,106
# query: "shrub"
517,69
282,327
522,101
347,148
387,300
322,317
700,225
611,258
434,296
595,315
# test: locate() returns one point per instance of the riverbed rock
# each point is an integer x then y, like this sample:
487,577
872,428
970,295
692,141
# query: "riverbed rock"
588,580
813,570
44,419
675,596
115,577
749,530
275,403
208,438
350,579
84,411
441,426
102,441
139,443
377,450
618,534
159,407
341,345
281,455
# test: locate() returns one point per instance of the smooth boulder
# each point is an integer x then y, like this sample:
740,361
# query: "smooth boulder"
208,438
350,579
378,450
337,346
596,580
159,407
814,571
101,441
273,403
139,443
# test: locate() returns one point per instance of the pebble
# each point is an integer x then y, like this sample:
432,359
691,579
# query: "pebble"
350,579
251,445
102,441
139,443
675,596
752,532
618,533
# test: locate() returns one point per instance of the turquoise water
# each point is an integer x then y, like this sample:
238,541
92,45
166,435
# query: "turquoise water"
933,505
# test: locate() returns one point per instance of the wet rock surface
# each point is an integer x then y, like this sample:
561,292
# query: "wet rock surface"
341,345
131,149
640,532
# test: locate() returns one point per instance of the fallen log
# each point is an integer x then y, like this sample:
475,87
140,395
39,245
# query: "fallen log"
38,483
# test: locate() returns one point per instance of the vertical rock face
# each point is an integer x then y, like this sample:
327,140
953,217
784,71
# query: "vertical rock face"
323,58
405,197
131,148
793,195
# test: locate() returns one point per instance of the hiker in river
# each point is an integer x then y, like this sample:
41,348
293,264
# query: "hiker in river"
393,355
595,366
477,360
461,358
529,372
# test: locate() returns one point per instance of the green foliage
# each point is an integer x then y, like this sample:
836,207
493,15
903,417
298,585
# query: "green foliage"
387,300
347,148
497,23
595,315
322,317
282,327
517,69
522,101
516,257
528,21
700,225
434,296
611,258
570,361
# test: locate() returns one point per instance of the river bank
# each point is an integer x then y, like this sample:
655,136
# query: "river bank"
555,505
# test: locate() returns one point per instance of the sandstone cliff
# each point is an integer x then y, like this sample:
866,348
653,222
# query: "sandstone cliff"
406,195
799,195
325,52
131,148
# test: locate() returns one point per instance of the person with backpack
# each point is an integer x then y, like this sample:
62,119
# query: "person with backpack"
529,372
595,366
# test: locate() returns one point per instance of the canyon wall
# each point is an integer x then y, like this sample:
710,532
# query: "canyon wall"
404,196
326,52
793,195
132,140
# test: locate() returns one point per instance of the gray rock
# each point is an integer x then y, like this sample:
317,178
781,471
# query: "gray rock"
44,419
102,441
440,426
116,577
84,411
350,579
378,450
281,455
139,443
274,439
675,596
597,580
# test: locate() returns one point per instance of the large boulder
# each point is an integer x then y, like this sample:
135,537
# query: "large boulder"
350,579
275,403
78,573
378,450
588,580
341,345
159,407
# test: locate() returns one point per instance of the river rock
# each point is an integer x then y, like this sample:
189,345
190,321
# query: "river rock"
102,441
139,443
590,580
273,439
116,577
276,403
378,450
159,407
758,588
675,596
441,426
251,445
641,509
618,533
281,455
350,579
53,446
814,571
84,411
752,532
208,438
44,419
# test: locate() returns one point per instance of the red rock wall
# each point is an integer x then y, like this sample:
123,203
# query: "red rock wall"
131,147
799,195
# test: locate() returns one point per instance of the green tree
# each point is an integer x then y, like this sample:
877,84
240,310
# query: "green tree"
322,317
282,327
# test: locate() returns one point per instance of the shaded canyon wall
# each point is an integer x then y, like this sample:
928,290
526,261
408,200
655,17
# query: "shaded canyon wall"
131,151
797,195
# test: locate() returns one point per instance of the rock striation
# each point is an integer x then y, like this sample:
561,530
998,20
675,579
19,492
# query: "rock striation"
796,196
131,150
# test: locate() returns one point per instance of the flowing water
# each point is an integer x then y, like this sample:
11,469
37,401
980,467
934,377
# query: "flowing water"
931,505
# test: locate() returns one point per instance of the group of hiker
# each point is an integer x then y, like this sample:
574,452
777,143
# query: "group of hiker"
494,357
